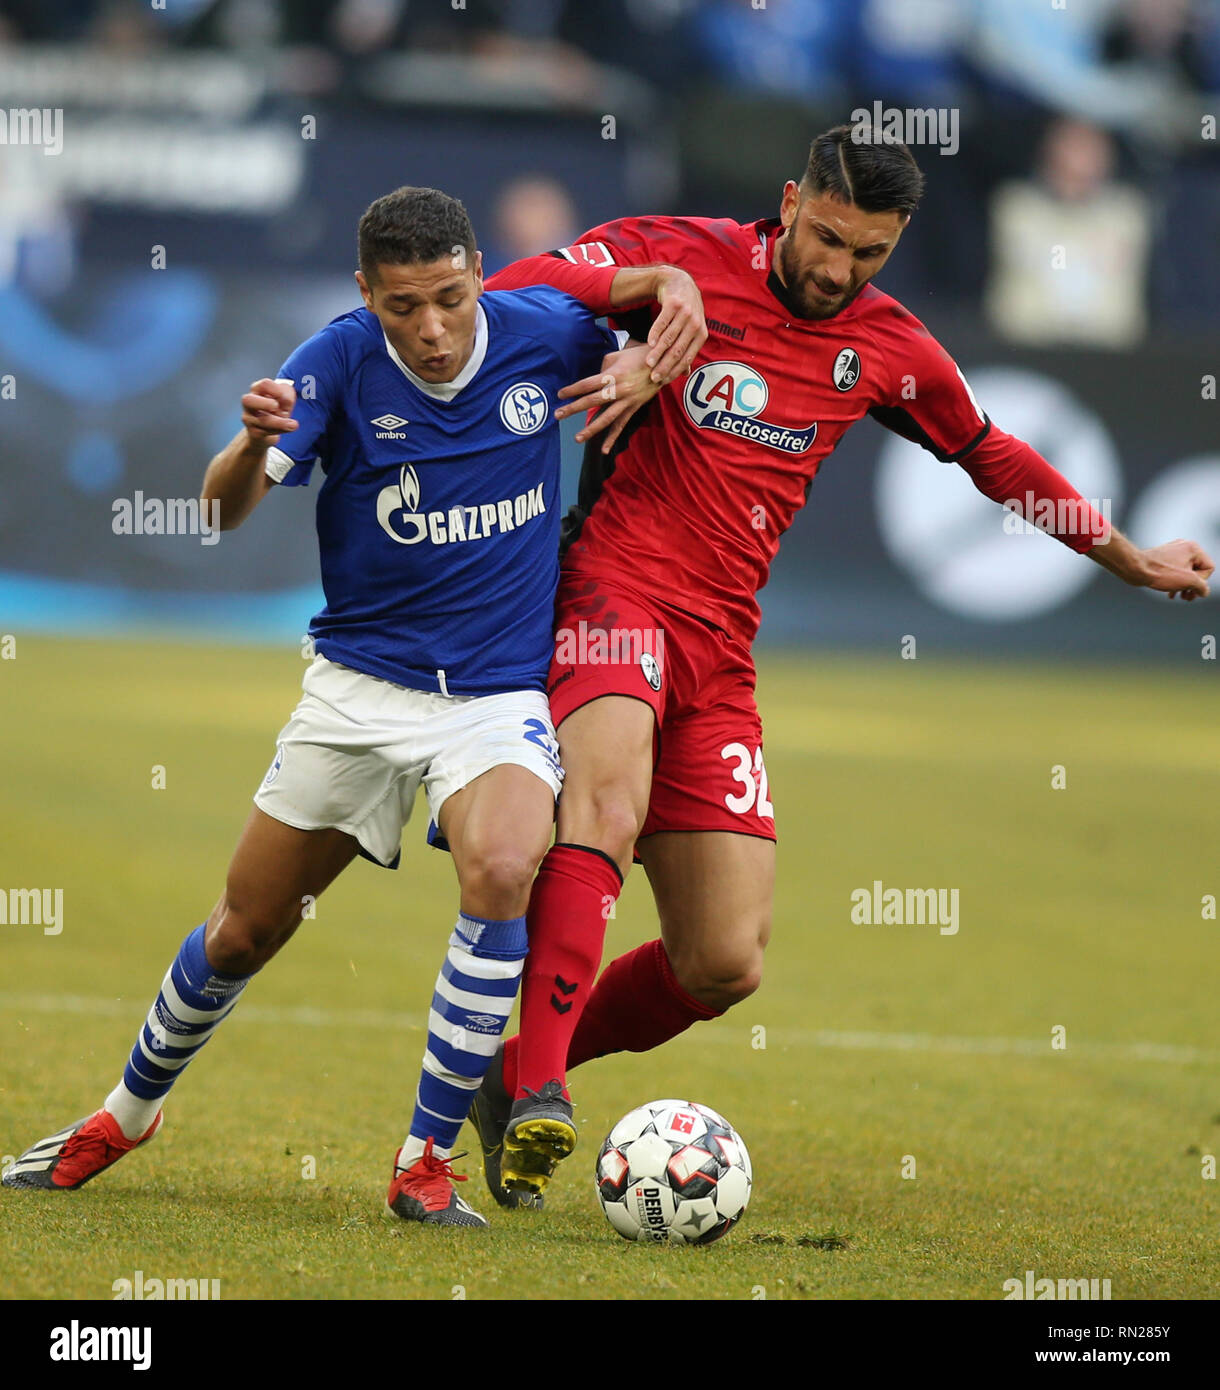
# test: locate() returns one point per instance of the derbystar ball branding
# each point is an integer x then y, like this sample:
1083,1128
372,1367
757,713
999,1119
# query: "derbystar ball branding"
730,397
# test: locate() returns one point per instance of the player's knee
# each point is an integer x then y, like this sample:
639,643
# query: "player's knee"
721,981
742,985
722,990
496,882
606,819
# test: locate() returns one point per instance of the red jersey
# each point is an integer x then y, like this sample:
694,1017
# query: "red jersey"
712,472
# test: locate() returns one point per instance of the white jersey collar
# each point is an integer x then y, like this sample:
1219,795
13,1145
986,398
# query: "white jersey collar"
446,390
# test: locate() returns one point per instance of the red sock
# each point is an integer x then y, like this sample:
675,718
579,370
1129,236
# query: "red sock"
635,1006
569,906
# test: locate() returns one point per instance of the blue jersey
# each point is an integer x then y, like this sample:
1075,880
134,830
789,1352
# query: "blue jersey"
438,520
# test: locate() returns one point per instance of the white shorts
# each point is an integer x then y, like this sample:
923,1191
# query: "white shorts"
356,749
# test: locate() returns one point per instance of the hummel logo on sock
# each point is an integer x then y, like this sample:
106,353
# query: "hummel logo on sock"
566,989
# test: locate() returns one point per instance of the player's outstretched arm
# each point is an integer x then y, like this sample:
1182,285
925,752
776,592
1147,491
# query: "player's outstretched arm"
237,477
1010,472
1180,569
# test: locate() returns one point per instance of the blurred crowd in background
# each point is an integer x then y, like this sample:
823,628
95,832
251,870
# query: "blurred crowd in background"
180,182
1083,125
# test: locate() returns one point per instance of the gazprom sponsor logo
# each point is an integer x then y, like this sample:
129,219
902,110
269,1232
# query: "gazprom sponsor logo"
399,517
730,397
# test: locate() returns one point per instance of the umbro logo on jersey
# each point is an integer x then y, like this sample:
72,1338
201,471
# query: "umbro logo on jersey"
730,397
390,426
846,370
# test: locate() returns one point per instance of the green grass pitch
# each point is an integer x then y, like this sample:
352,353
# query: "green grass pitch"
888,1049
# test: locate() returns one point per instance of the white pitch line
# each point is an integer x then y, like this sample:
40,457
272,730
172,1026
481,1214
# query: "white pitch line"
1010,1047
306,1017
303,1017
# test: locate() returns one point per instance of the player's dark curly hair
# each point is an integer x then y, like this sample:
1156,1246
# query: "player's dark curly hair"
865,167
412,226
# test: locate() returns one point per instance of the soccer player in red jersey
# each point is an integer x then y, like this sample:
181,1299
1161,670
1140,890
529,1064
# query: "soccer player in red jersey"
652,683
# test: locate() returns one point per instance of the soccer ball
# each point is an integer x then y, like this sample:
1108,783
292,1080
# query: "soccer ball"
673,1170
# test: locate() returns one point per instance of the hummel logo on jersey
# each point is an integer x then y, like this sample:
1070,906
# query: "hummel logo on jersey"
390,426
398,518
726,329
729,396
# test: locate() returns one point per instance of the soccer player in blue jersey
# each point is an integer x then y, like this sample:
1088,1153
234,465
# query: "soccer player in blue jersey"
431,414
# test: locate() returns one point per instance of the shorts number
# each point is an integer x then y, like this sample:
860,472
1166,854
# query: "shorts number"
752,775
537,732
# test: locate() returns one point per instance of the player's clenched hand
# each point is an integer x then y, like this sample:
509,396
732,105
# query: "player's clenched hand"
679,330
266,410
1181,569
623,386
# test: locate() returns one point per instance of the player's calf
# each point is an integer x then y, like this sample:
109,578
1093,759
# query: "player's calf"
471,1002
276,873
240,941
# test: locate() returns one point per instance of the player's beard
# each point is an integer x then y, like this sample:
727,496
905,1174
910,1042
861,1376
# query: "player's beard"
795,282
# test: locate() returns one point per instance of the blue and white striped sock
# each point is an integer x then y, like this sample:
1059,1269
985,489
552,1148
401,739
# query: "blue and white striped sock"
193,1000
473,999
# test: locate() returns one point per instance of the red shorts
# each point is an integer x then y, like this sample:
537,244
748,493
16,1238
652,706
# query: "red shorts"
708,771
